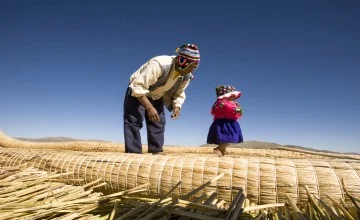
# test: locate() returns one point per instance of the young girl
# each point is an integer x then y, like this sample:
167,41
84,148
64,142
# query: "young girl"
225,129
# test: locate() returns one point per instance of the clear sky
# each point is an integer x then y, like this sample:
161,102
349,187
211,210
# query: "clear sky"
65,66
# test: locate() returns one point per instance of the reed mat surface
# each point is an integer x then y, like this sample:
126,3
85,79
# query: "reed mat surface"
29,193
264,180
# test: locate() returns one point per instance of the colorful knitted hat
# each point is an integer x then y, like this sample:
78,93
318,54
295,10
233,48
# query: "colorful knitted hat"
187,59
227,91
189,51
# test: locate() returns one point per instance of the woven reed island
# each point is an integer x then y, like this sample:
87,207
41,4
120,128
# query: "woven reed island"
101,146
264,180
266,176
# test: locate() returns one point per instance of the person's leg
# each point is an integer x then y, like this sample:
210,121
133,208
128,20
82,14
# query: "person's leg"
133,118
156,130
217,151
222,148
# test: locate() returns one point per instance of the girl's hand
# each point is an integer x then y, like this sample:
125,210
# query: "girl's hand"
239,110
176,113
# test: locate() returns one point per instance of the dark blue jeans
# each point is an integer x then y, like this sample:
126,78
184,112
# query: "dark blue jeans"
134,114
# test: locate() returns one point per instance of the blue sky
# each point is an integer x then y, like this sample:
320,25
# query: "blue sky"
65,65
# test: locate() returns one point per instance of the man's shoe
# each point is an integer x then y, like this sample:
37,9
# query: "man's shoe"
159,153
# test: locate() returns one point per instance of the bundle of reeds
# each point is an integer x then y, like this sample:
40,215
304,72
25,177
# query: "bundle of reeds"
264,180
27,193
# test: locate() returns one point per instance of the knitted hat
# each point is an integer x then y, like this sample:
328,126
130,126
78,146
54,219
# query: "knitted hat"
189,51
227,91
187,59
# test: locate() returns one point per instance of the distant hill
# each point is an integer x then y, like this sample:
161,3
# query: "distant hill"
250,144
311,149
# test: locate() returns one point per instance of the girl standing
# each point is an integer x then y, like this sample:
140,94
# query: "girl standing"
226,111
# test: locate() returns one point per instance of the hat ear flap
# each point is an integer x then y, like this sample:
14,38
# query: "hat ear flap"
177,50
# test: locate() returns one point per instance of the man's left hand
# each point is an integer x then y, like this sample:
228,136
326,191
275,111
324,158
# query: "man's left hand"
176,113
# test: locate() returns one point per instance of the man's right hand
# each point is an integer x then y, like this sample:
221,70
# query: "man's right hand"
151,111
153,114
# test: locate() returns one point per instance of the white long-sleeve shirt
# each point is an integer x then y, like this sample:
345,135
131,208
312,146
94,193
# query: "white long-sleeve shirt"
149,73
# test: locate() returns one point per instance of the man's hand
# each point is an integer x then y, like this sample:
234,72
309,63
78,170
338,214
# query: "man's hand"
176,113
153,114
151,111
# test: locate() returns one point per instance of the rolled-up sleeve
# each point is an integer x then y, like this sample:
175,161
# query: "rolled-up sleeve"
144,77
179,96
